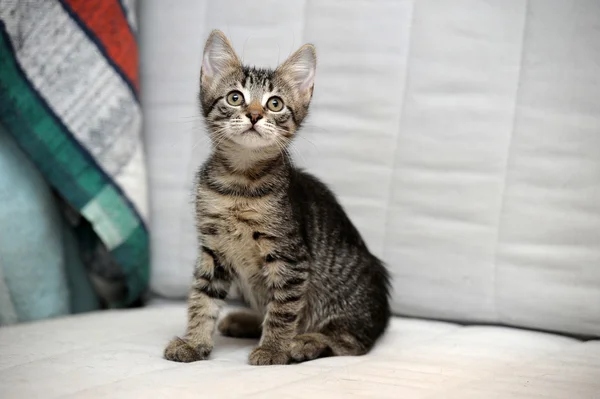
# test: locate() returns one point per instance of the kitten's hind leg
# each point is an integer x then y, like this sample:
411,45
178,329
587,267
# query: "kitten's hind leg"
241,324
329,342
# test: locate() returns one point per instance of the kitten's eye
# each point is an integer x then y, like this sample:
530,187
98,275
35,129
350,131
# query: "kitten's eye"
235,98
275,104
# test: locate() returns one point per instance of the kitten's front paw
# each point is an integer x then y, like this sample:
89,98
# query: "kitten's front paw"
179,350
266,356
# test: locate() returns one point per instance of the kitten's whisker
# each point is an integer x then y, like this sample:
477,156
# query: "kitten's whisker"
203,139
284,148
308,141
298,154
309,126
292,148
283,151
221,136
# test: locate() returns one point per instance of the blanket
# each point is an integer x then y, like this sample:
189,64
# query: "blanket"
69,89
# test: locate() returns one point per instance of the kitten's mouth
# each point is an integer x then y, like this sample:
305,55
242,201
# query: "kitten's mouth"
251,138
253,131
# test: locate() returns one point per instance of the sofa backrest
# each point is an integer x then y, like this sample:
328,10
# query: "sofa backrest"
463,138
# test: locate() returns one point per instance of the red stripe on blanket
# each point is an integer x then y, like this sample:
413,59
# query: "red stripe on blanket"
105,19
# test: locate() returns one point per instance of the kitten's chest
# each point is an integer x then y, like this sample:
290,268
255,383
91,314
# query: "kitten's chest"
233,227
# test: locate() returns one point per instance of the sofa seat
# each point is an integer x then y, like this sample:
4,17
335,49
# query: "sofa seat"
118,354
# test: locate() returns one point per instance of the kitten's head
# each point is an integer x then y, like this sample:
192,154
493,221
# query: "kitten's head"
255,108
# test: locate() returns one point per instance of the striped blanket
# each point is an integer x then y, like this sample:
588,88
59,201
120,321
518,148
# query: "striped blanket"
69,90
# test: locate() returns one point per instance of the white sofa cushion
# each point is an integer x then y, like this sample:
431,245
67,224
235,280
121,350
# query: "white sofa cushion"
461,136
117,354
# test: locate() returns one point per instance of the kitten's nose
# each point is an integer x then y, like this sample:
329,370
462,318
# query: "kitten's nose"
254,116
254,112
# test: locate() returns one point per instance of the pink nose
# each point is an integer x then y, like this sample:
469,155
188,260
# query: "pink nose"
254,116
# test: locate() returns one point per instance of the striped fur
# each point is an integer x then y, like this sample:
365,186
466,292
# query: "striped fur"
275,231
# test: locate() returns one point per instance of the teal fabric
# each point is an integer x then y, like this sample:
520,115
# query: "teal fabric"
31,244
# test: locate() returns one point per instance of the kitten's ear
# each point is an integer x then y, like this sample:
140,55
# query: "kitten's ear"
299,69
218,58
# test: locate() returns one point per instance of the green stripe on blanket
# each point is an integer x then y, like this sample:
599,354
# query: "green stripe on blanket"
73,173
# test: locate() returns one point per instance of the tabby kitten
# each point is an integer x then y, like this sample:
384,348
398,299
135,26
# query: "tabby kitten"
273,230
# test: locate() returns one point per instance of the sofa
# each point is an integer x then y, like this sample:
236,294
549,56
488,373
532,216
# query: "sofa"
462,137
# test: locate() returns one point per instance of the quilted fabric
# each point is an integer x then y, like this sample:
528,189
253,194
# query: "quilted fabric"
461,136
68,94
117,354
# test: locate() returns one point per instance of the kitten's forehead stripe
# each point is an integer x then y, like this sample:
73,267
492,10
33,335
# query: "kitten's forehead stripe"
258,82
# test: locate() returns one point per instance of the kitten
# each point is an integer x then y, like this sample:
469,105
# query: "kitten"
275,231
